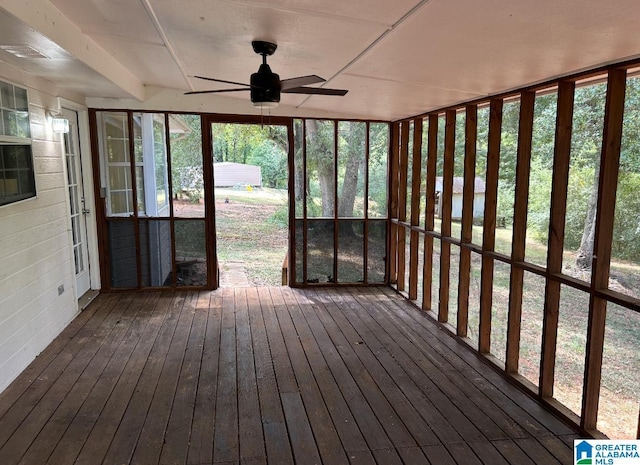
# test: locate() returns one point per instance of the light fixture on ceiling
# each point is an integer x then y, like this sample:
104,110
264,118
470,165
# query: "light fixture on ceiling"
262,105
59,124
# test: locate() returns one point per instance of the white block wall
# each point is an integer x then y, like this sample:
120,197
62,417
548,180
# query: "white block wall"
35,248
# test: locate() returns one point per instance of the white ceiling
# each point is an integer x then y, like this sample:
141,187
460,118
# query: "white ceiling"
397,58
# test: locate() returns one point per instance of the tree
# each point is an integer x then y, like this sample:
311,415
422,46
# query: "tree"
186,154
351,149
320,160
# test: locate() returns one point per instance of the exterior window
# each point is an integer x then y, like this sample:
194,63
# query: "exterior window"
150,164
17,180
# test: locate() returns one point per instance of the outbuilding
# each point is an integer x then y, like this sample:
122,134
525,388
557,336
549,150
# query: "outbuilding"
228,174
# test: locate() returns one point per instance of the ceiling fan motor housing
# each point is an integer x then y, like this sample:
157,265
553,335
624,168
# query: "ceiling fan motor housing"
265,86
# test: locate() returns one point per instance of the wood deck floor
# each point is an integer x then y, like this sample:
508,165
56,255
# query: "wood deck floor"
268,375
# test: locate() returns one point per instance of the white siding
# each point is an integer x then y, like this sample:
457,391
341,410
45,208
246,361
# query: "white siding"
35,252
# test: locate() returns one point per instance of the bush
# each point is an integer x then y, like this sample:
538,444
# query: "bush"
626,229
280,217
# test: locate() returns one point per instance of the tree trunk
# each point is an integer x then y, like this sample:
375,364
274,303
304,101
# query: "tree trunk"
322,151
352,172
585,251
327,191
298,168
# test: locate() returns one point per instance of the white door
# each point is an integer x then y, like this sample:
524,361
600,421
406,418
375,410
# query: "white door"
78,209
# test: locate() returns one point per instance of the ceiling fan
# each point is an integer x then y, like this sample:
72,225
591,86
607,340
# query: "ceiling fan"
266,86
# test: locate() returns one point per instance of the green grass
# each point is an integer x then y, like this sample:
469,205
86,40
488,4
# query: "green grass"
252,228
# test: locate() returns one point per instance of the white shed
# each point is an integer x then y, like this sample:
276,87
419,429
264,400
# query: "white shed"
228,174
456,197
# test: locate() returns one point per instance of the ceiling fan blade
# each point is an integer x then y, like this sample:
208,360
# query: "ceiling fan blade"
214,91
221,80
315,91
300,81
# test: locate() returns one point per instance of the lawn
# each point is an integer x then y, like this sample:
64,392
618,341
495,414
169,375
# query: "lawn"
251,226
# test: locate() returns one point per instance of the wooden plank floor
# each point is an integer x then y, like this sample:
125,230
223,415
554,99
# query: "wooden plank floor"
268,375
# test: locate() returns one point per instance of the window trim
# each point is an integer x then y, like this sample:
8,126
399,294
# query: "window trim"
13,140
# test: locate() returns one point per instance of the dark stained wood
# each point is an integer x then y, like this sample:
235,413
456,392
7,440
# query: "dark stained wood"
47,439
438,455
269,375
561,158
464,275
608,182
324,431
277,445
304,447
345,424
537,452
430,208
364,416
489,225
30,383
440,411
512,453
16,434
152,436
225,441
110,396
201,440
376,395
416,182
488,453
394,160
529,414
446,199
250,424
402,204
521,202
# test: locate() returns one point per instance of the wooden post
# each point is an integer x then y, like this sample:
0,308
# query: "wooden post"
523,168
447,195
561,158
393,202
402,202
415,207
432,149
608,183
471,137
489,226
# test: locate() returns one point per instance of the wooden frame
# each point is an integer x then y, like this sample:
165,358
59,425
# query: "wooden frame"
608,182
432,149
561,159
489,231
464,275
598,290
415,207
402,204
446,202
523,167
394,162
